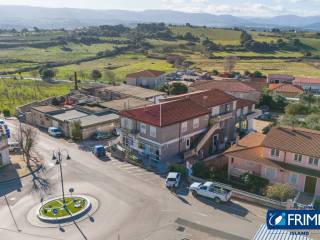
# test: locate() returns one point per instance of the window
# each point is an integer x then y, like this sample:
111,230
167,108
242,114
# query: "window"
123,122
270,173
126,123
293,178
297,157
143,128
215,111
275,152
313,161
228,107
153,132
195,123
184,126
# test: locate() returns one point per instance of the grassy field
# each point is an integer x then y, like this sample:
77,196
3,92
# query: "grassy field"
14,93
222,36
265,66
121,65
54,54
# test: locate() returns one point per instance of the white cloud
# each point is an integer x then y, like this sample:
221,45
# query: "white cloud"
244,9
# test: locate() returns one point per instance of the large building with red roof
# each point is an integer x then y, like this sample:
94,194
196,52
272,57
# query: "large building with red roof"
284,155
194,125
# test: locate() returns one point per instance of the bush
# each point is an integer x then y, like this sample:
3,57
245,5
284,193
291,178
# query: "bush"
254,183
179,168
6,112
200,170
281,192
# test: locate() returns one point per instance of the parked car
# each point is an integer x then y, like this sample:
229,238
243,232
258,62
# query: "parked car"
211,190
99,151
2,122
102,135
173,179
14,147
54,132
265,116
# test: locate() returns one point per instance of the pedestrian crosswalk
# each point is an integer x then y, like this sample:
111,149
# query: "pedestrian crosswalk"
138,172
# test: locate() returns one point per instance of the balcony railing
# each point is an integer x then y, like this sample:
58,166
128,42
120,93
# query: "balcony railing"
222,117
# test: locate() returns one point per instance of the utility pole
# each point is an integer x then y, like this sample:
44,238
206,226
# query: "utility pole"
76,87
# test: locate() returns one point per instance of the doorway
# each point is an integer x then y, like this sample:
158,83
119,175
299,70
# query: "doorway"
310,185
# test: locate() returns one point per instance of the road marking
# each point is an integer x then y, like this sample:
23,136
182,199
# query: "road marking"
201,214
130,167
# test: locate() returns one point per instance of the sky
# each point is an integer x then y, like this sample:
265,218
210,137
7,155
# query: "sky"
218,7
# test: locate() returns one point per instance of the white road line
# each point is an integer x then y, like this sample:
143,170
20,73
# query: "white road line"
201,214
130,168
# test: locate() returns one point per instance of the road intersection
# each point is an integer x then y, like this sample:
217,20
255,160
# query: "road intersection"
133,203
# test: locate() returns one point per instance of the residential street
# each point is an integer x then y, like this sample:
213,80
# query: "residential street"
134,204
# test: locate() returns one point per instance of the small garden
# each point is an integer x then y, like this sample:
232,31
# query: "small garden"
57,209
247,182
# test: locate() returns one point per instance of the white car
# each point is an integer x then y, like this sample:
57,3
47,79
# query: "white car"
211,190
54,132
173,179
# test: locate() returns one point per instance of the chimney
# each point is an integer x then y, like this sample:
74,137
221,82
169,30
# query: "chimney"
204,99
75,81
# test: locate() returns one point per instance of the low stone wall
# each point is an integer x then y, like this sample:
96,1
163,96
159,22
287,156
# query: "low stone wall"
246,196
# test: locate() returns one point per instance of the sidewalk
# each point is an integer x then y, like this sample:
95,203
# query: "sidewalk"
17,169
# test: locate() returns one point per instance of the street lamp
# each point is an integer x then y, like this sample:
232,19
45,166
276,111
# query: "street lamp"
59,156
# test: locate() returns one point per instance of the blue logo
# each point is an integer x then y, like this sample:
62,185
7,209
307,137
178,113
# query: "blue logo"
293,219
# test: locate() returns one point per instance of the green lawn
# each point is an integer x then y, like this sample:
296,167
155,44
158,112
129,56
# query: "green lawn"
47,209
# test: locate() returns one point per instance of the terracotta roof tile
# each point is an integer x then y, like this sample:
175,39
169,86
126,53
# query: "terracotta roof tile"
304,80
146,74
241,103
223,85
167,113
296,140
250,141
210,98
285,88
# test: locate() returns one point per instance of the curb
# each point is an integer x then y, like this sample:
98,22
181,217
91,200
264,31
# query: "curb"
14,179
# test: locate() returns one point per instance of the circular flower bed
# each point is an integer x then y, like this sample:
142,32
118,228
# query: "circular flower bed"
57,210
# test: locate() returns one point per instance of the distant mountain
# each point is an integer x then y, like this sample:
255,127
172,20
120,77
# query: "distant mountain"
24,16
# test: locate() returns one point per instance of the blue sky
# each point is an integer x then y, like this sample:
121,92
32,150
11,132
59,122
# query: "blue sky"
234,7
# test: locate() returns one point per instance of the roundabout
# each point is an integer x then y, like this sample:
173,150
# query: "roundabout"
53,212
59,210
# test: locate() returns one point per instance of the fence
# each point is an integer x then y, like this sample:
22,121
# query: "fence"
246,196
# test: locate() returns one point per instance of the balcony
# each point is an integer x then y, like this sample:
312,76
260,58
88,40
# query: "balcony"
130,131
222,117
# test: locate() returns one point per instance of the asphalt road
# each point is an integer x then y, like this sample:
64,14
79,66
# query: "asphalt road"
134,204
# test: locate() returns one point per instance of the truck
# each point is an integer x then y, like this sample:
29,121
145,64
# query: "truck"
211,190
